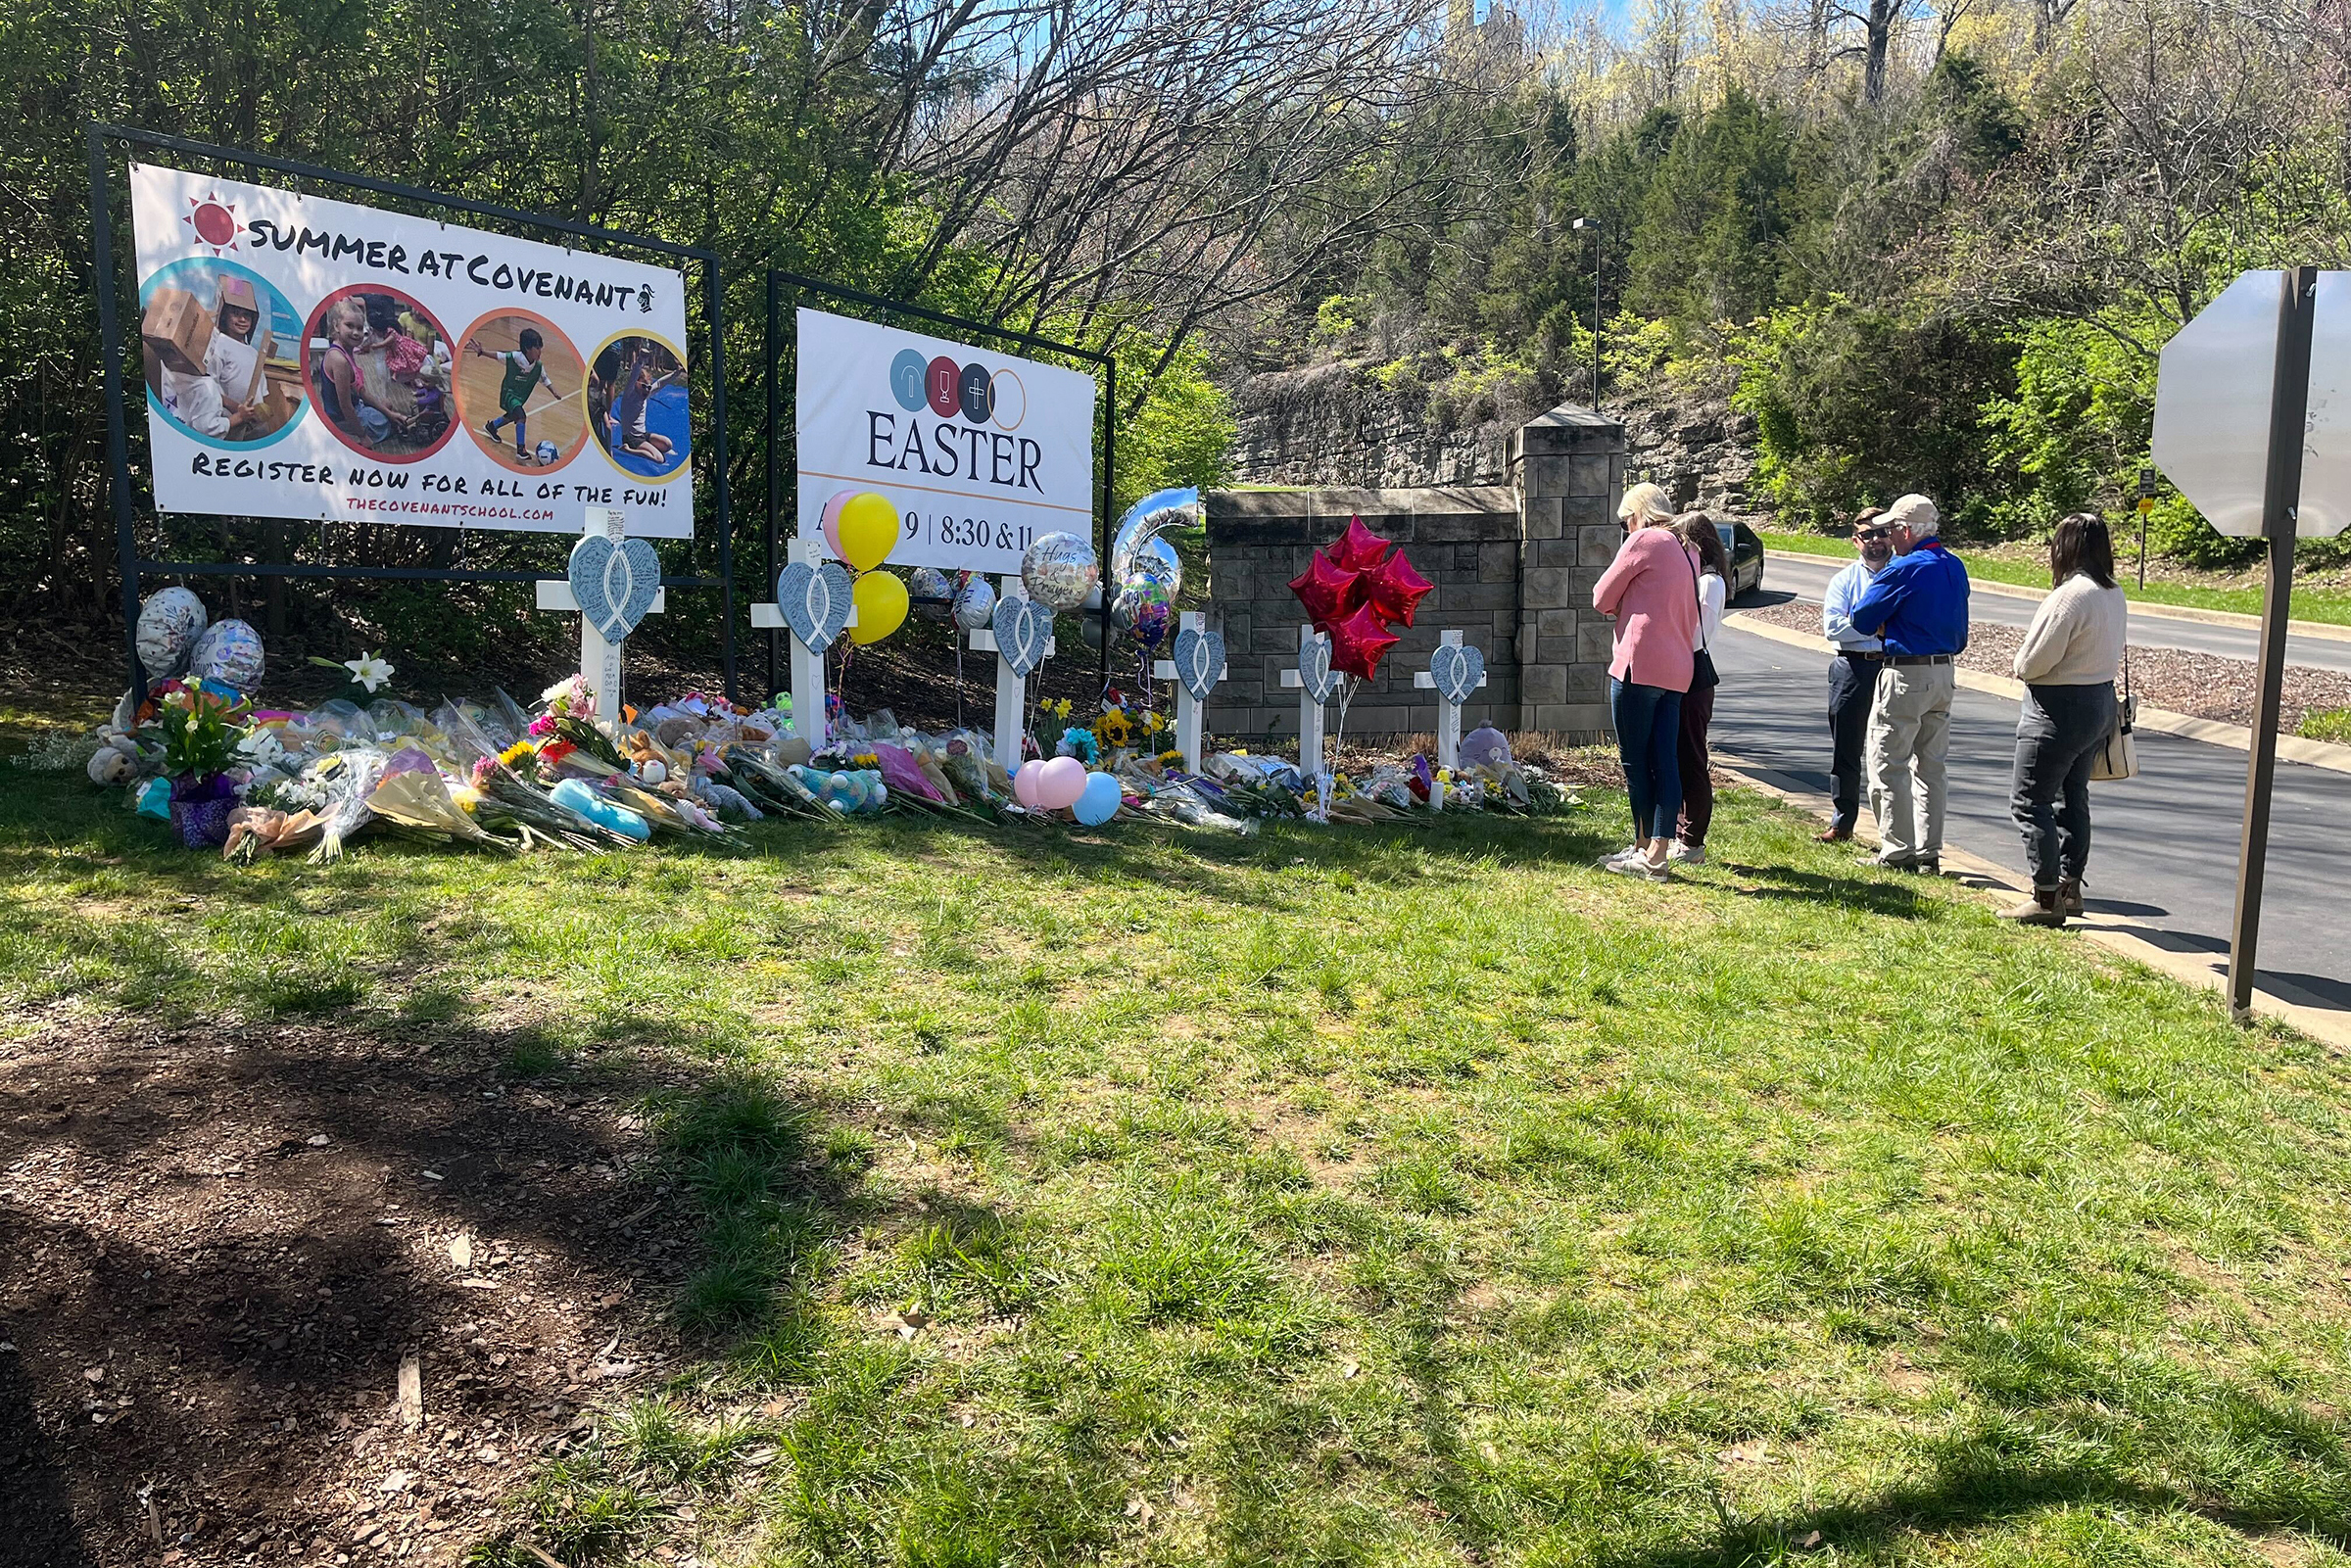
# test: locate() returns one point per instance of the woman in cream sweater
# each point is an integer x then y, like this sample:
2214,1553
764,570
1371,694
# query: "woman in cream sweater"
2067,662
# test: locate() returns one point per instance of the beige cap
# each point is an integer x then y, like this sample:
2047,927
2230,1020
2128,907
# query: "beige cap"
1914,512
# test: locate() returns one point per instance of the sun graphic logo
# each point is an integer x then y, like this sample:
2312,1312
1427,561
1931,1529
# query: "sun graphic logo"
215,223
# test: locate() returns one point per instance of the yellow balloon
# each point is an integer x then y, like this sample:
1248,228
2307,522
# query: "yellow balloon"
868,527
880,602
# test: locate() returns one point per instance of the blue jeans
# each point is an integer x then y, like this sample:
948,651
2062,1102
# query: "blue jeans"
1649,732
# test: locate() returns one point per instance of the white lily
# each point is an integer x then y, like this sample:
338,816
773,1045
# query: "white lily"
370,670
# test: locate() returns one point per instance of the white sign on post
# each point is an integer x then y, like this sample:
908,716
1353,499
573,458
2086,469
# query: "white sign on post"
2212,407
1315,681
308,358
1196,668
1021,636
981,454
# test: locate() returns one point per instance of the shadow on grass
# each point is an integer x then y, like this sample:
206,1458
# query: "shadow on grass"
177,1227
1897,900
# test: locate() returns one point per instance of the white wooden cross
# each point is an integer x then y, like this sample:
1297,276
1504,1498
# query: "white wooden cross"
1012,688
600,660
1449,712
1310,706
1187,706
809,713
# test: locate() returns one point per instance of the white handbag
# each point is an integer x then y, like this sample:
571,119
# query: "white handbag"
2118,756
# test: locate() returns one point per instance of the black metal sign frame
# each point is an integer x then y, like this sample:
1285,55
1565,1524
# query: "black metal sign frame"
133,568
771,352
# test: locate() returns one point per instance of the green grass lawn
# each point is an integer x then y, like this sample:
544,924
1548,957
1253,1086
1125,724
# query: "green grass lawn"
2332,606
1402,1196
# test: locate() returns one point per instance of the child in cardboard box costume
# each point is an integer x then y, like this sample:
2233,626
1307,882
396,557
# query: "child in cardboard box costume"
213,379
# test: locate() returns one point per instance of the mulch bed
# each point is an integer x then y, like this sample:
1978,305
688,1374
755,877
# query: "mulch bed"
2204,685
218,1245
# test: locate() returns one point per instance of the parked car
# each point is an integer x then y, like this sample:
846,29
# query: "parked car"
1746,550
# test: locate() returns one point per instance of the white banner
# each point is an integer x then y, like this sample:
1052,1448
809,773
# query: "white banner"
306,358
979,453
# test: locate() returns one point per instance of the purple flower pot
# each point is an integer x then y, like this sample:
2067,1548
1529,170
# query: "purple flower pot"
200,808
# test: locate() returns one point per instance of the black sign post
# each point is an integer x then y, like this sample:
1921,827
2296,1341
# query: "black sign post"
2281,502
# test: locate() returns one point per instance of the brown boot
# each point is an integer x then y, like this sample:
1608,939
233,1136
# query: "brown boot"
2069,895
2042,909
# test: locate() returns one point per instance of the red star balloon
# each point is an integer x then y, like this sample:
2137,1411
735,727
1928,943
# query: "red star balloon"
1359,642
1393,588
1358,549
1327,590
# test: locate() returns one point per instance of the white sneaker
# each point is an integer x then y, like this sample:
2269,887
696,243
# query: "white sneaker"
1688,854
1628,852
1636,866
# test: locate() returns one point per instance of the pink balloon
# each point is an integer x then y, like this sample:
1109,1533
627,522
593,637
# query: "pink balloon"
1023,784
831,523
1060,781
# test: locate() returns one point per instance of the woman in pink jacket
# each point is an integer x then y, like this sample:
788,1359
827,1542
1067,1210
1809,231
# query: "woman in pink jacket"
1650,590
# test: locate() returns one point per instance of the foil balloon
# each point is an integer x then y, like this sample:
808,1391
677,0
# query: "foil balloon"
1140,527
229,653
932,593
974,604
1393,588
1358,549
1157,559
1143,609
1359,642
170,623
1327,590
1061,570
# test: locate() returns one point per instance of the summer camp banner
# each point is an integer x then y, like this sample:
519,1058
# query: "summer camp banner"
981,454
315,358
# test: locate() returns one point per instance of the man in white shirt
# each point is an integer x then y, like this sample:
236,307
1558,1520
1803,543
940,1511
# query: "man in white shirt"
1853,671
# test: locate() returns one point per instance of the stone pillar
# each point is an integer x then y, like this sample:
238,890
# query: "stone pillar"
1570,468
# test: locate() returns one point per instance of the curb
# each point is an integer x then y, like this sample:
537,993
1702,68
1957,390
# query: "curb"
2326,630
2291,747
2119,934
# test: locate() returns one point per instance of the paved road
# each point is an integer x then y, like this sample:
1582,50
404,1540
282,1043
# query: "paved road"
1808,580
2165,845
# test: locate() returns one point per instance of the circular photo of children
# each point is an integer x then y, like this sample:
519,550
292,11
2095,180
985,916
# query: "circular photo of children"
377,364
221,349
522,390
636,406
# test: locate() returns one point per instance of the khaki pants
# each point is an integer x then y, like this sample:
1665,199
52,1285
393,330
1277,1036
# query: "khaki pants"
1909,733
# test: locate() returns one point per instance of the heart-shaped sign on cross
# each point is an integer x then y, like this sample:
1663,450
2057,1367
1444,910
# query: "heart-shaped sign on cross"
1456,670
1023,626
1315,678
1199,661
815,602
615,584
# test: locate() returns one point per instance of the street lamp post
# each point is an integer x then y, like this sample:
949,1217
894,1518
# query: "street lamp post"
1592,224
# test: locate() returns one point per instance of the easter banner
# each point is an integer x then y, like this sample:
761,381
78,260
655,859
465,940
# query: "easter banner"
981,454
306,358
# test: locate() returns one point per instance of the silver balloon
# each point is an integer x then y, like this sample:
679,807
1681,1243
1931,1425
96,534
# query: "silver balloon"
1060,571
975,604
1157,559
930,591
1142,527
229,653
170,623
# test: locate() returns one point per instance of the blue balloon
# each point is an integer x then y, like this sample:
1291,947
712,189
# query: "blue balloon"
1101,802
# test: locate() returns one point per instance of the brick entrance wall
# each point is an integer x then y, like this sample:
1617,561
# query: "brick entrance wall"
1513,568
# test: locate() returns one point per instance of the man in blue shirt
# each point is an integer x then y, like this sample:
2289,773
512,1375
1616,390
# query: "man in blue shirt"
1853,671
1918,606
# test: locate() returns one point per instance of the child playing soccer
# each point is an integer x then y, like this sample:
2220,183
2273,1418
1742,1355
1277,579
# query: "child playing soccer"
524,375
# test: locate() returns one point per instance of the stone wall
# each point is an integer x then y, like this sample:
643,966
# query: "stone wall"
1513,568
1334,424
1465,539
